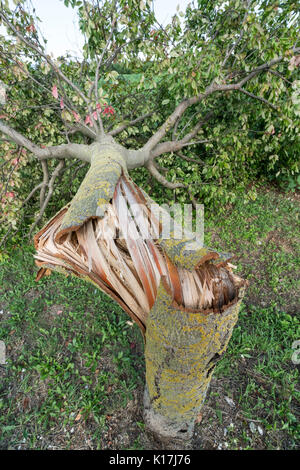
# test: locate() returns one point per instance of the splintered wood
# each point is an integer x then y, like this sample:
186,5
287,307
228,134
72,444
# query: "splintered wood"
120,253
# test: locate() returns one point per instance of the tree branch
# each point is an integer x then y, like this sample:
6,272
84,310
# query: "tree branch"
192,160
87,131
260,98
57,71
18,138
80,127
174,146
235,44
161,179
99,62
50,192
274,72
79,151
212,88
130,123
42,54
45,182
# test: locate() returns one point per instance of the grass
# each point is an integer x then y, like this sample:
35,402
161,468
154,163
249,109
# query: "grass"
74,375
73,357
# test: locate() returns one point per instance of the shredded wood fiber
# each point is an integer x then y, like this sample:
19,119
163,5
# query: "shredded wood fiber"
129,268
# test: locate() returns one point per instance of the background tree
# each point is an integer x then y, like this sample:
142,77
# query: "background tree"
211,84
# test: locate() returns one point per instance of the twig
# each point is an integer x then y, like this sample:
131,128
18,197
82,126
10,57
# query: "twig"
159,177
130,123
50,192
260,98
44,183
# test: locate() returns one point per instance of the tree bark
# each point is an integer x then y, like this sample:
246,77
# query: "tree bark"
182,349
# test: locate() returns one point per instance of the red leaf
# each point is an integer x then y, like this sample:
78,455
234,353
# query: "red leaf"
108,110
88,120
54,91
76,116
62,104
31,28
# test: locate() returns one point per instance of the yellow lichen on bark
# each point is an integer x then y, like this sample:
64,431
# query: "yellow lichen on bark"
154,280
96,190
182,347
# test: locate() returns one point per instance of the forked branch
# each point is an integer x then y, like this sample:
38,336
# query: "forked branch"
79,151
212,88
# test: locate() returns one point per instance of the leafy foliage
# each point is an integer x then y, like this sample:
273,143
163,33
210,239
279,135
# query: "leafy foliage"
133,67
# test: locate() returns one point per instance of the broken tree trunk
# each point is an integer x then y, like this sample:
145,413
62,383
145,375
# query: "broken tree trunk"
182,348
183,296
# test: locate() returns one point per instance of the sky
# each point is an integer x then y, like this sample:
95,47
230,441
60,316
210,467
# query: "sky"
60,27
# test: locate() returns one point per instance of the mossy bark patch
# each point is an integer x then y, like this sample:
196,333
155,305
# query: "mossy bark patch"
96,190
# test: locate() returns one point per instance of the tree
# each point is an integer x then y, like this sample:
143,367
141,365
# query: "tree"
171,83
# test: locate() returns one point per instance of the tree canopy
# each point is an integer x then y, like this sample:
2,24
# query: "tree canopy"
202,106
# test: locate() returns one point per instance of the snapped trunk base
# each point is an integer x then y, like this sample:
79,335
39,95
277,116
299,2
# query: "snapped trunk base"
182,349
167,433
